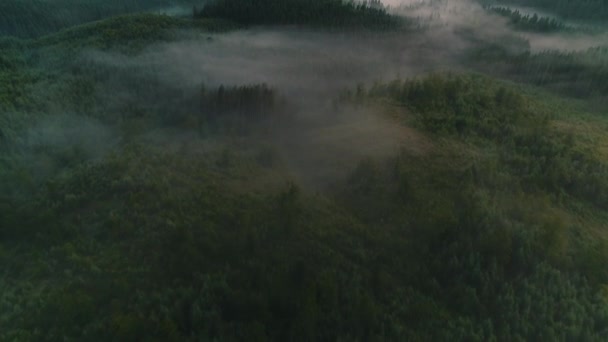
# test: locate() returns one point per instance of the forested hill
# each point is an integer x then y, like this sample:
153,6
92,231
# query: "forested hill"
532,23
319,13
34,18
571,9
193,179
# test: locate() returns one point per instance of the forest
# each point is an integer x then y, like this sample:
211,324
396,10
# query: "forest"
530,22
332,13
36,18
302,170
596,10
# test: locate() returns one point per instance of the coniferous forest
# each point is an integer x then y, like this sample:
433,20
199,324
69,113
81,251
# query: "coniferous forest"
303,170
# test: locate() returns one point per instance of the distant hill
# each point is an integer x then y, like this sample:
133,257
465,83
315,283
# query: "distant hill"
328,13
34,18
571,9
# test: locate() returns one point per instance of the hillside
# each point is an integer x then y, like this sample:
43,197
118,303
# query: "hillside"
35,18
208,179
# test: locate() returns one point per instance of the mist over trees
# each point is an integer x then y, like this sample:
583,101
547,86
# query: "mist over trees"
572,9
289,12
530,22
203,178
238,104
35,18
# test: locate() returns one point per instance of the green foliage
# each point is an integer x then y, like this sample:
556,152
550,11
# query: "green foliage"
481,111
530,22
328,13
473,221
136,30
154,245
234,107
14,74
488,265
466,106
139,237
580,74
35,18
227,267
596,10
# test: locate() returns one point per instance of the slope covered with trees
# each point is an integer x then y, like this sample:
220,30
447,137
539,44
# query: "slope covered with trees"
137,209
337,13
152,244
528,22
581,74
596,10
35,18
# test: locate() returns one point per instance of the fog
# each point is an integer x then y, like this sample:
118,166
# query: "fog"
309,69
320,142
170,176
50,147
297,62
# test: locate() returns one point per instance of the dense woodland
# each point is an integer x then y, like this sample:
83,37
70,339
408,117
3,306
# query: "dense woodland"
35,18
581,74
571,9
136,209
333,13
532,22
